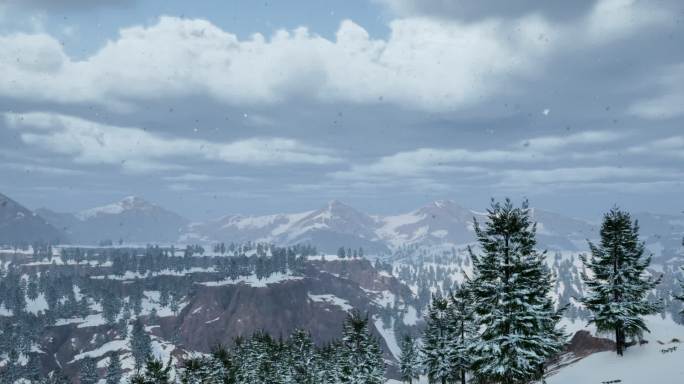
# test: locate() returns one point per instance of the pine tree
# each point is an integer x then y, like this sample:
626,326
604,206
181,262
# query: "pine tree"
88,371
617,287
462,319
114,372
156,372
408,361
437,339
141,345
511,290
362,361
301,358
681,297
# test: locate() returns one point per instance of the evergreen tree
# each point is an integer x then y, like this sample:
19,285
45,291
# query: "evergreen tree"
156,372
408,361
88,371
513,307
462,318
302,358
437,339
141,345
114,372
681,297
617,287
361,355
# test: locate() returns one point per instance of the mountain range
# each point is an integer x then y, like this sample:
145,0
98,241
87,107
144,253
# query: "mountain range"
439,223
19,225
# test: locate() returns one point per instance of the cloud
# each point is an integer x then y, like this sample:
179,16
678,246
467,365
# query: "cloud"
570,175
424,63
670,146
426,161
137,150
466,9
42,169
202,177
670,103
548,143
56,5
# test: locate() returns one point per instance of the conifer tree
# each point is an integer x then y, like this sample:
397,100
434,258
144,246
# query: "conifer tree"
437,339
681,297
114,372
141,347
87,373
362,361
408,361
617,287
511,290
462,319
156,372
301,359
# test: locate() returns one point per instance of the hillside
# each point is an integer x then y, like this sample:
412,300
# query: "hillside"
19,225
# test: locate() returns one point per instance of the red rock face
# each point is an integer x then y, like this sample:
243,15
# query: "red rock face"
584,344
217,314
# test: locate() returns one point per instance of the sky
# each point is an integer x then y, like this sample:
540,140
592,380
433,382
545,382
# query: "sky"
255,107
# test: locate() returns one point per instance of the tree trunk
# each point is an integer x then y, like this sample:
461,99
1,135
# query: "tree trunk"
618,341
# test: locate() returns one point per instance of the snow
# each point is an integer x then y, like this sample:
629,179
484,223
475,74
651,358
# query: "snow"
388,335
130,275
411,317
252,280
37,305
640,364
331,299
89,321
114,345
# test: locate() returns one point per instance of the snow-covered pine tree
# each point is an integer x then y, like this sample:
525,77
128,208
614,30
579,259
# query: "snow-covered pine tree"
515,314
362,361
141,345
329,364
87,373
114,372
156,372
462,319
617,286
409,366
437,342
203,370
301,364
681,297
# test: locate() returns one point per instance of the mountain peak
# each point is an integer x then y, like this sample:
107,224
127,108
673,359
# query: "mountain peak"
126,204
336,204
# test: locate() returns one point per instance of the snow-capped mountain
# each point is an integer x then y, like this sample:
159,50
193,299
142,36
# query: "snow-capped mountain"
19,225
327,228
132,220
439,223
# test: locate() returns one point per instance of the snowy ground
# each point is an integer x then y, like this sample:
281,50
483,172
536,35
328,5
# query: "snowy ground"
640,364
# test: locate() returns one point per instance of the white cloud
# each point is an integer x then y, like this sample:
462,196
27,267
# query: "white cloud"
529,177
670,103
137,150
425,161
424,63
547,143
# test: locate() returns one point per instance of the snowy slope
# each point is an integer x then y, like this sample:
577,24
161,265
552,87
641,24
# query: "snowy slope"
440,223
640,364
133,220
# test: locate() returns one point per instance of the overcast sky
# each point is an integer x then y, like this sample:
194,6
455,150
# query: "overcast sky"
278,106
